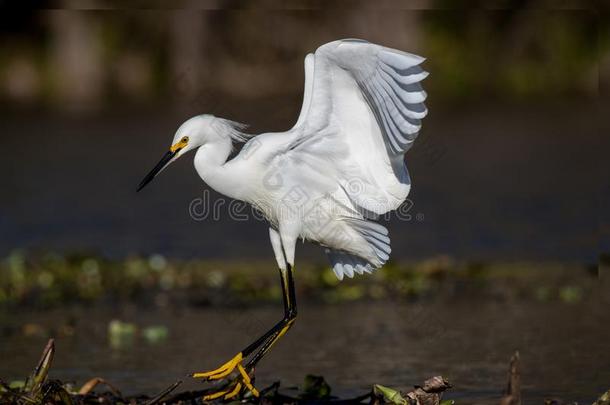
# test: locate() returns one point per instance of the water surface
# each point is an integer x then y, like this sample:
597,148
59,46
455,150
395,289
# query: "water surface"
564,348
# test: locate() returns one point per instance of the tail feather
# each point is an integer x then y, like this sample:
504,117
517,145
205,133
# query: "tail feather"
376,236
344,264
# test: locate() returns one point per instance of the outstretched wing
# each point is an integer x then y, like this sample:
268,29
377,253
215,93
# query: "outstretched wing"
362,110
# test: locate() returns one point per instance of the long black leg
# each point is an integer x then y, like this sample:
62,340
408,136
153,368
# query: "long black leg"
279,329
264,342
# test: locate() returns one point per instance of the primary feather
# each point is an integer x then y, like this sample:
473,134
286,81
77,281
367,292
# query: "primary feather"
365,100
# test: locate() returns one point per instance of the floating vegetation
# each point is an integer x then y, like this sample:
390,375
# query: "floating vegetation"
155,334
121,334
124,334
39,389
51,280
430,393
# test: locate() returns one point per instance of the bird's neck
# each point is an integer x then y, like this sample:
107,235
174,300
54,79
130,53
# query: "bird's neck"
224,177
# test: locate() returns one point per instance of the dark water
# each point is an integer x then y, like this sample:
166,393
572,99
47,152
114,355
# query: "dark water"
564,348
489,182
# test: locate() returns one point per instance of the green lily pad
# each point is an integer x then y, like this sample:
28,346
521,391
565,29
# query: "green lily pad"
121,334
155,334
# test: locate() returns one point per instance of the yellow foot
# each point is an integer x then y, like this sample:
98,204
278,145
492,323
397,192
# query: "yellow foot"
221,371
243,380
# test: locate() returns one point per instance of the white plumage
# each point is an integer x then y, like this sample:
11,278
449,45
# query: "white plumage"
342,164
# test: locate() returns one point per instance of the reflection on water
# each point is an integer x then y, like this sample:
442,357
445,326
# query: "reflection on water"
563,347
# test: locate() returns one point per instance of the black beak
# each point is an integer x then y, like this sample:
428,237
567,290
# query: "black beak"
162,163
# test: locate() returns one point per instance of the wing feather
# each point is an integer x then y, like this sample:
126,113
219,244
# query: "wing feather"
362,110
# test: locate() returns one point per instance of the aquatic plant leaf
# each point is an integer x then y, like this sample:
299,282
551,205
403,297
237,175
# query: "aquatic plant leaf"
389,395
65,396
604,399
121,334
34,383
17,384
155,334
315,387
570,294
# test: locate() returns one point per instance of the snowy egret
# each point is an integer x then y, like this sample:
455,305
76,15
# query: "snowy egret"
326,179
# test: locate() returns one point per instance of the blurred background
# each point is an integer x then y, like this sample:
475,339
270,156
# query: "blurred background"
507,219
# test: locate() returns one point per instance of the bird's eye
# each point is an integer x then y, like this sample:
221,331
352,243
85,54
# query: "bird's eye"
185,139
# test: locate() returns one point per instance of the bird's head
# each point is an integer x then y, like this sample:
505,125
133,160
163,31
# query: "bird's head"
190,135
193,133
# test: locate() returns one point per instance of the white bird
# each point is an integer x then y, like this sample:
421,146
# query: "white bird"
326,179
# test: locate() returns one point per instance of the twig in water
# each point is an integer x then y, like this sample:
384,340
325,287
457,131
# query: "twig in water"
513,388
164,393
